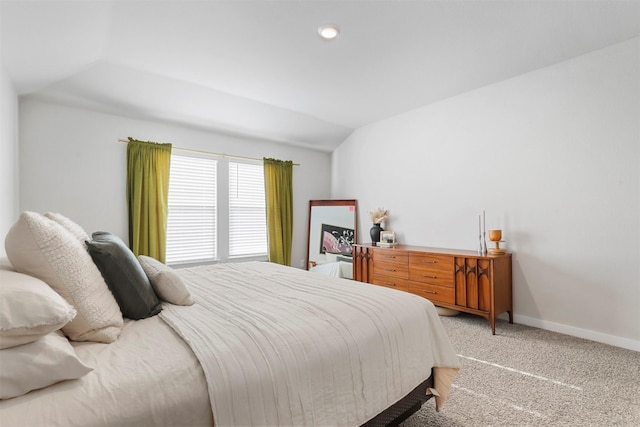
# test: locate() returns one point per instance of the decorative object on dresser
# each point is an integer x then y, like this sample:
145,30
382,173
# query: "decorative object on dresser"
387,239
482,235
496,237
377,217
455,279
374,232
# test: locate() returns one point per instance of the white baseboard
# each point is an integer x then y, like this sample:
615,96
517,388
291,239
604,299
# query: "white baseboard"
578,332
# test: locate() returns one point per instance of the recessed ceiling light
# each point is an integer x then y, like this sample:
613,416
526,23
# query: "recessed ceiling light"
329,31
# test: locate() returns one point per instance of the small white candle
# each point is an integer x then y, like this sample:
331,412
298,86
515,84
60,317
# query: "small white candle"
484,224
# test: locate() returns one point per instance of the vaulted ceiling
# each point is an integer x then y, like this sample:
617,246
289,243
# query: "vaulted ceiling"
259,67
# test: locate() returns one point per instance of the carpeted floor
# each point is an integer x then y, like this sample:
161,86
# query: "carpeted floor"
525,376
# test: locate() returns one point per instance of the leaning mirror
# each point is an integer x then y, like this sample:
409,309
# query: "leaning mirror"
332,234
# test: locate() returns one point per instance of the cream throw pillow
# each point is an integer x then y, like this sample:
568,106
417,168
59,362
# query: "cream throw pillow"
40,247
39,364
29,309
71,226
165,281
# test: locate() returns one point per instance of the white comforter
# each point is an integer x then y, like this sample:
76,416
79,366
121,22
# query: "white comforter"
281,346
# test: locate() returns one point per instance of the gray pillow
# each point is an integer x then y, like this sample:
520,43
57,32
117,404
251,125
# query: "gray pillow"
124,276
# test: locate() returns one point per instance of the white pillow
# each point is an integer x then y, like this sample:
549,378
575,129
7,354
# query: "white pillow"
68,224
39,364
29,309
40,247
165,281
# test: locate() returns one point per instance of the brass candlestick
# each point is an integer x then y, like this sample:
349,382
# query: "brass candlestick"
496,236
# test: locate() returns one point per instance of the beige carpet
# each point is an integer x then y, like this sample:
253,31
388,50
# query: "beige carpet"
525,376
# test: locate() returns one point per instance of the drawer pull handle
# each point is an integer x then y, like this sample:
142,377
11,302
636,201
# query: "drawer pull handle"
389,269
390,256
429,277
429,292
429,261
390,283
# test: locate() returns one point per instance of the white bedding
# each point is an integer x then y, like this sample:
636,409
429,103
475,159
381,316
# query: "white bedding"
281,346
272,352
149,376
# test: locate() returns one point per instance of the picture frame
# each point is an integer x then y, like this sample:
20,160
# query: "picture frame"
336,240
388,237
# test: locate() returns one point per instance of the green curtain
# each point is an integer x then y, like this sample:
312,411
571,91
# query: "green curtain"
147,197
278,191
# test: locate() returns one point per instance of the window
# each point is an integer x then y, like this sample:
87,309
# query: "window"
247,215
191,223
216,210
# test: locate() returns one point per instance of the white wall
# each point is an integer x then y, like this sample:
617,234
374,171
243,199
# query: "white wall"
8,156
553,156
70,162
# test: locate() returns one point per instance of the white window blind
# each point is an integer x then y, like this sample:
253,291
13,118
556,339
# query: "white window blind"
247,215
191,222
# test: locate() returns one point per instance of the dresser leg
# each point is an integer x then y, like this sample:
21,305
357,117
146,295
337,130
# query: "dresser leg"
492,320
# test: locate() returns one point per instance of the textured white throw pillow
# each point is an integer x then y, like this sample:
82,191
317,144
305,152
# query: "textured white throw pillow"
165,281
71,226
40,247
39,364
29,309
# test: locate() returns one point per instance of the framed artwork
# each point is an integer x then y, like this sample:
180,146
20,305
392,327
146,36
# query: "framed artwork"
388,237
336,240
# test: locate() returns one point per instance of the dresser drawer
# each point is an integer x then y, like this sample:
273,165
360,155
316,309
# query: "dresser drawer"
433,292
432,269
432,262
390,256
439,278
390,269
391,282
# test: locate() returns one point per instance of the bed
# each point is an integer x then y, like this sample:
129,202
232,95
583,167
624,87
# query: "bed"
256,344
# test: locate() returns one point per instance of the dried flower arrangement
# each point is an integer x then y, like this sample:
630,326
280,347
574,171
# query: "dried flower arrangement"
378,215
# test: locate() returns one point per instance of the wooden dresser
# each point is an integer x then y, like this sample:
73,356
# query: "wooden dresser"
456,279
